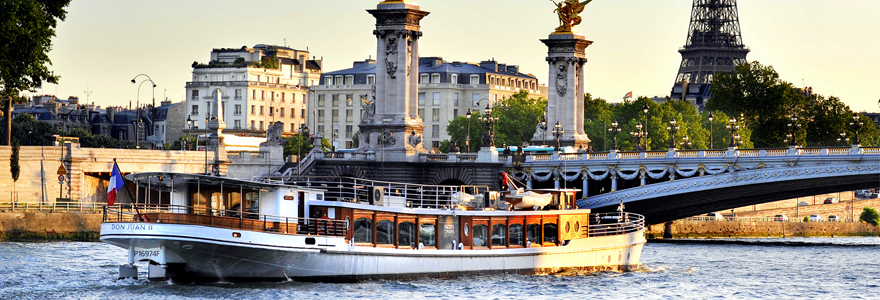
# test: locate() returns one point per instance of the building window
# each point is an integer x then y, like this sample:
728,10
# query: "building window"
475,100
349,115
254,95
334,115
335,101
195,94
455,99
271,111
454,78
238,109
237,93
195,110
349,79
272,96
421,99
293,113
321,100
348,131
475,79
423,78
237,124
321,129
321,115
292,127
371,79
261,110
435,78
349,100
261,125
303,114
455,113
262,95
435,131
282,97
303,98
436,99
328,80
338,79
422,113
281,112
435,114
252,125
253,110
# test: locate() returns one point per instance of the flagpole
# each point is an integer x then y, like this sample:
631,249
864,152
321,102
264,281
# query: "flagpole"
136,210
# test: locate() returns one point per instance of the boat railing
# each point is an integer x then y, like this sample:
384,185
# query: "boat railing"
607,224
190,215
56,206
347,189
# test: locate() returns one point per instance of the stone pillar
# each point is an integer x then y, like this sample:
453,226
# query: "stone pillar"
566,58
215,128
395,126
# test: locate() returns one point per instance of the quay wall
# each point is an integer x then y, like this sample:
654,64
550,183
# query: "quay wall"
735,229
39,226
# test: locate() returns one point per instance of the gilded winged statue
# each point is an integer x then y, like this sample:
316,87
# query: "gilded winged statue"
569,13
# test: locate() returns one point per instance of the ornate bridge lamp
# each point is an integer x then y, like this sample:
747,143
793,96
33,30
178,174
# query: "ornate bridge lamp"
733,127
686,142
489,137
645,110
303,132
793,126
641,133
673,129
637,136
614,130
711,131
856,124
557,133
467,141
843,140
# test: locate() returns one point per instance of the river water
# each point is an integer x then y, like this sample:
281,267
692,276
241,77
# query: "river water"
735,269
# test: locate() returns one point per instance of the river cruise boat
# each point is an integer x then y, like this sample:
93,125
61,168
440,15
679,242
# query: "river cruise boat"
197,228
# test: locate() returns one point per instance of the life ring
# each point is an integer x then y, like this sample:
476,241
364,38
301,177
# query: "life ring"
144,218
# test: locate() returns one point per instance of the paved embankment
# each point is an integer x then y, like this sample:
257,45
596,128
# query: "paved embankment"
36,226
691,229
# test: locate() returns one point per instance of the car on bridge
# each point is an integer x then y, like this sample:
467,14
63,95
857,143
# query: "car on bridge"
815,218
833,218
830,200
714,216
780,218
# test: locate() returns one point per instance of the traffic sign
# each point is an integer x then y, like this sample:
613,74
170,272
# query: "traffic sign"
62,170
60,178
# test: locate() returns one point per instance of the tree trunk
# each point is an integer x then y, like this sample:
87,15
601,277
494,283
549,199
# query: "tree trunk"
7,123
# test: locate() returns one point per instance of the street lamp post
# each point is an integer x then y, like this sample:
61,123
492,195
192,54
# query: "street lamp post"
793,126
543,126
686,142
856,124
711,131
189,121
733,127
645,110
614,130
303,130
467,141
843,140
639,134
489,120
558,131
673,129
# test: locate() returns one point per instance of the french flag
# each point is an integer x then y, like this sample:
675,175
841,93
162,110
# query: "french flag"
115,186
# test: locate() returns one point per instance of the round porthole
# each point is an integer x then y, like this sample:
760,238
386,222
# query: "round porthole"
467,229
577,226
567,227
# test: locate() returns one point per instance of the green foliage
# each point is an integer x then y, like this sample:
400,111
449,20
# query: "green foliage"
298,144
356,140
30,132
26,30
597,115
518,116
806,219
267,62
14,167
238,63
184,140
89,140
870,216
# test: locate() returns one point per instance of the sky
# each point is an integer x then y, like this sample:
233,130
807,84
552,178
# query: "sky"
832,46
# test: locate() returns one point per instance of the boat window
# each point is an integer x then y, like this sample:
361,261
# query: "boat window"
481,235
516,234
406,234
385,232
427,234
499,235
363,230
533,230
551,232
199,203
252,204
233,204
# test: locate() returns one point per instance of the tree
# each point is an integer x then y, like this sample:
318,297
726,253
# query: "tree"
870,216
14,168
30,132
297,144
518,116
597,116
26,31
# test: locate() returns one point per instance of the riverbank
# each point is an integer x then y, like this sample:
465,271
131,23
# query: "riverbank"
745,229
48,226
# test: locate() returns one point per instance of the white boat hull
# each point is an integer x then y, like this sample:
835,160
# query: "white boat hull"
199,253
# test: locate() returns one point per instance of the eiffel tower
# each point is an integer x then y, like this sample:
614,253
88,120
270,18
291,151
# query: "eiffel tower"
714,44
